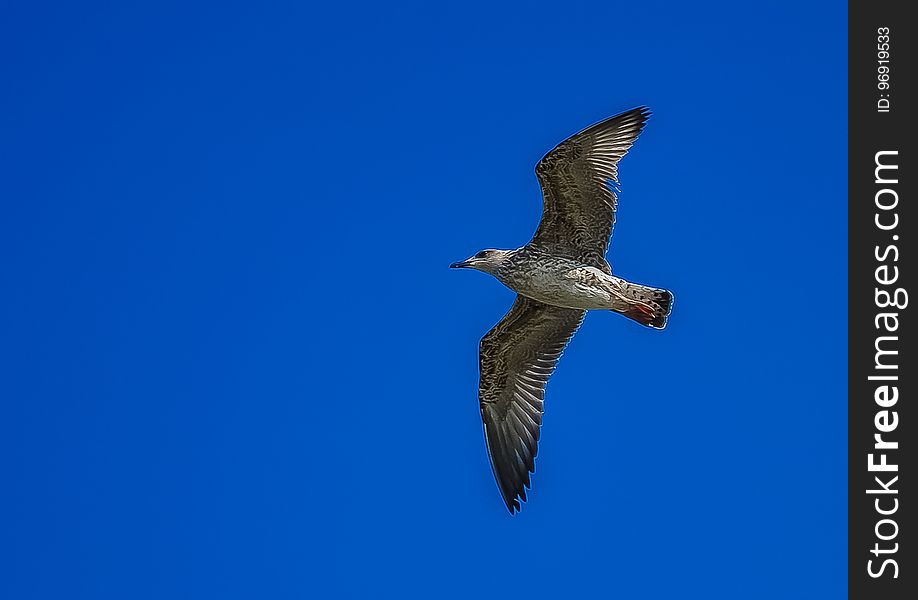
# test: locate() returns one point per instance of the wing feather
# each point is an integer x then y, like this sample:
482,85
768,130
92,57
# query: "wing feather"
579,180
516,359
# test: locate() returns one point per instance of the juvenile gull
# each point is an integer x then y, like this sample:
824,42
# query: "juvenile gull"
559,275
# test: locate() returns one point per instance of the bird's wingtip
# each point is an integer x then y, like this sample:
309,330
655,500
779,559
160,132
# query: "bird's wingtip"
514,507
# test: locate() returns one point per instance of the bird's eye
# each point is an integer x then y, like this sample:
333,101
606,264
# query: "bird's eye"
481,254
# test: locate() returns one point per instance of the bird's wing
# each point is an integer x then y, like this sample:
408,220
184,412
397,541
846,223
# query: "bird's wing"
516,359
579,178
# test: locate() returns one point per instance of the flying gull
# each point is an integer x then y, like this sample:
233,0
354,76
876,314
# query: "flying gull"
559,275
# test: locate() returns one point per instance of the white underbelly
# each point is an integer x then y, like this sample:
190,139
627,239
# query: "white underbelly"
585,288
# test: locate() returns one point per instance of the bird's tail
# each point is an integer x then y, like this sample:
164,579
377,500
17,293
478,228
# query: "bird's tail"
647,305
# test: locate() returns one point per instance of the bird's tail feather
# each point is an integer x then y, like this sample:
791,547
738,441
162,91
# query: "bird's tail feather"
648,306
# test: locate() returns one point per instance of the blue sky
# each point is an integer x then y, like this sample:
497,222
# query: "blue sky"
236,365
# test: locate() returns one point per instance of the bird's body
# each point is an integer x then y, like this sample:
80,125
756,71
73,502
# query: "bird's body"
570,283
559,275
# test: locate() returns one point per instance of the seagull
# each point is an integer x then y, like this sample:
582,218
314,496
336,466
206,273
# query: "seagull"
558,276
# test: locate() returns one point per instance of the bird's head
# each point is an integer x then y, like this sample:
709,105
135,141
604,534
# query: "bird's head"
487,261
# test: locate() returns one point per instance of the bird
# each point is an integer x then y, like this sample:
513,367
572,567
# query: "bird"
558,276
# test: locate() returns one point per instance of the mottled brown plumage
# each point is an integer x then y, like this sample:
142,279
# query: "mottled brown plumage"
516,359
558,276
577,179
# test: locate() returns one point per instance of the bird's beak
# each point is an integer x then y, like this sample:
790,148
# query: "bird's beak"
459,265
